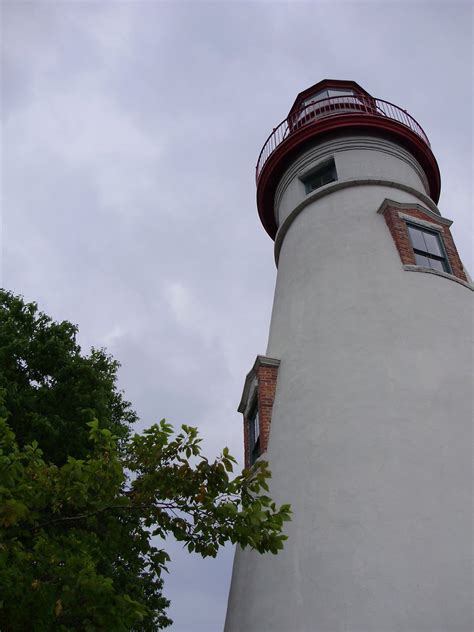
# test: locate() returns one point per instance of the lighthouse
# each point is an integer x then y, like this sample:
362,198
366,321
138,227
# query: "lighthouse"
362,402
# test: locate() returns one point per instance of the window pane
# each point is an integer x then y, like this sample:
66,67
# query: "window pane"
436,264
256,427
416,237
421,260
325,174
314,184
333,92
323,94
251,437
433,245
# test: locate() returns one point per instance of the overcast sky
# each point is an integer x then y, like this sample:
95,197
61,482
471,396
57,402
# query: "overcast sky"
130,136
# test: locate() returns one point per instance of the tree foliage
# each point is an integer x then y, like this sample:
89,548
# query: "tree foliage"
52,391
82,529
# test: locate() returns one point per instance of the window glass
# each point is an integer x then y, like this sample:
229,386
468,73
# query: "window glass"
437,264
421,260
256,426
322,94
325,174
325,94
416,237
432,244
340,93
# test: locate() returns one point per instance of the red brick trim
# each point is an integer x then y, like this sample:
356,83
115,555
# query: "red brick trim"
395,215
260,386
267,379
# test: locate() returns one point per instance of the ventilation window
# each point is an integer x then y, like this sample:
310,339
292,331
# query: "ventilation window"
323,174
428,248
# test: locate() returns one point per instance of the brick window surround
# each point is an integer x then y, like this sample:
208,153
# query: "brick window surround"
260,386
397,215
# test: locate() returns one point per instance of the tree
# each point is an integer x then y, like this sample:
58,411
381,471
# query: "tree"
83,524
51,390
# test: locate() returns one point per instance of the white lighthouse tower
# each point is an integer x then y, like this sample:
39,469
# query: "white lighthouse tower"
362,404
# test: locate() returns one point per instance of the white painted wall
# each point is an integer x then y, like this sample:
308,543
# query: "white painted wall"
356,157
371,438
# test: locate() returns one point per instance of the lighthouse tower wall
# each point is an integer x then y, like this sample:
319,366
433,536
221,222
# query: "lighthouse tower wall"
356,158
371,431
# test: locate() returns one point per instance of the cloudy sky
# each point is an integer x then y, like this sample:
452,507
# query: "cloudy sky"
130,136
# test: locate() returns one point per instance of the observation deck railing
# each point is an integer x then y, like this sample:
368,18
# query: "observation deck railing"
311,113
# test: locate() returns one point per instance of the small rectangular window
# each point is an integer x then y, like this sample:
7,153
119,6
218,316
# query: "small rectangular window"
323,174
428,248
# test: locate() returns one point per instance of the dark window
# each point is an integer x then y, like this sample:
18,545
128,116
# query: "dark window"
428,248
254,434
324,174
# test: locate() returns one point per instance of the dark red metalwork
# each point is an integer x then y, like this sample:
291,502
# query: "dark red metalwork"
316,111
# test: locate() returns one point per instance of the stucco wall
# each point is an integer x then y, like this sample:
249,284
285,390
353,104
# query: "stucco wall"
355,157
371,434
